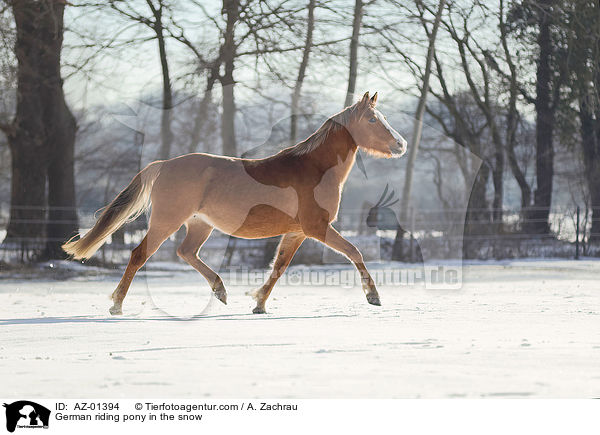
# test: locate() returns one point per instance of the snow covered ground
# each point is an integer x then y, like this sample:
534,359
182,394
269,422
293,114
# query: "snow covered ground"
515,329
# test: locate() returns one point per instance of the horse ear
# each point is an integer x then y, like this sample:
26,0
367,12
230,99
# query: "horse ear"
374,100
365,98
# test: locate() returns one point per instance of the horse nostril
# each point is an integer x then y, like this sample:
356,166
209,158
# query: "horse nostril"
400,148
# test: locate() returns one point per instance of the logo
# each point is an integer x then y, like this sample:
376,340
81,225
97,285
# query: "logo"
381,216
26,414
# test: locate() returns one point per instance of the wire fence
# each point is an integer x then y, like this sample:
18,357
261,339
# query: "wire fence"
424,234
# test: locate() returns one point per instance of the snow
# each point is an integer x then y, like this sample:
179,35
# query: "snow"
515,329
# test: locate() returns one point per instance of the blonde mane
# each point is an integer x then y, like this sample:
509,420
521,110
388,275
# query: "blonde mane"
332,125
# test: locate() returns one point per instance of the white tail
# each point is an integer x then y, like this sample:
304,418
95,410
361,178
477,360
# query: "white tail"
126,207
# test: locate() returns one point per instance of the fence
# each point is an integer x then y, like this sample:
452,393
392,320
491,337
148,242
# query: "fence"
442,234
490,234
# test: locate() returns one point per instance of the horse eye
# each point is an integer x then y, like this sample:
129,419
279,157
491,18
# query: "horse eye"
373,119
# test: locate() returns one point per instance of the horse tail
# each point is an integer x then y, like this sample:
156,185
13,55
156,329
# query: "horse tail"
126,207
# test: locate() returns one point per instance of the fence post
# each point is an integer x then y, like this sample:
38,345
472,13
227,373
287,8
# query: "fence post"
577,235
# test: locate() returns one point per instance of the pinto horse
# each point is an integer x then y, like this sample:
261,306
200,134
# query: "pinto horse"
294,194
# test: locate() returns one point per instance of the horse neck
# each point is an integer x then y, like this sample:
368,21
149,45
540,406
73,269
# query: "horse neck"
337,152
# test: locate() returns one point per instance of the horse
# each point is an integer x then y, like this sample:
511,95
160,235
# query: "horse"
294,194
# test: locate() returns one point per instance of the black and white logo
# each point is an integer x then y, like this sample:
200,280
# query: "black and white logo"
26,414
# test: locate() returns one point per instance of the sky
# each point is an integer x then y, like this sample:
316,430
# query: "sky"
129,73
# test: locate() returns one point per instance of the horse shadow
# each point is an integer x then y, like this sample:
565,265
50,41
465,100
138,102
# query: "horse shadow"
166,318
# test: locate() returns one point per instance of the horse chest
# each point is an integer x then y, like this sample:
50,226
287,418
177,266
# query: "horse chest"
327,195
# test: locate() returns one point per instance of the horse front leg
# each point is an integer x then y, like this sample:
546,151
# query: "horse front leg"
286,249
335,241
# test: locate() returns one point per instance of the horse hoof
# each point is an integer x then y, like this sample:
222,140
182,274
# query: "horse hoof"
115,310
373,299
259,310
221,294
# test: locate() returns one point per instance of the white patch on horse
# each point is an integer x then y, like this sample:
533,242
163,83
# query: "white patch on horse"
393,132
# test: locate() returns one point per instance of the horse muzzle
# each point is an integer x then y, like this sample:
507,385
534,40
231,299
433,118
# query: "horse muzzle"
399,148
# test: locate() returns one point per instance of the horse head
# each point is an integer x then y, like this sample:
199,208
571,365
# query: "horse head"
371,131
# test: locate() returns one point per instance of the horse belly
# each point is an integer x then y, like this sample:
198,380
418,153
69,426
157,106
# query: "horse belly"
266,221
250,209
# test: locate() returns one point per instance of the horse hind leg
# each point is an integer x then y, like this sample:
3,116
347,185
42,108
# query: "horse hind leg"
198,232
155,237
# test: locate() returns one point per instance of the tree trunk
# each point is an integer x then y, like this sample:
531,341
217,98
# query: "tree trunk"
26,138
498,182
592,171
545,124
28,193
231,9
62,212
418,124
202,113
166,134
42,135
60,129
586,66
520,177
591,158
353,73
512,118
228,119
478,215
310,24
417,130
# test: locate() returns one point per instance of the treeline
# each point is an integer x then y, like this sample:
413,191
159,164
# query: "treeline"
514,84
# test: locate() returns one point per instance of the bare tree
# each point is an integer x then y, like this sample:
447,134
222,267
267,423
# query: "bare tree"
42,133
545,115
545,105
202,116
418,125
310,25
243,31
537,24
585,64
460,119
8,81
512,115
353,66
231,11
155,21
